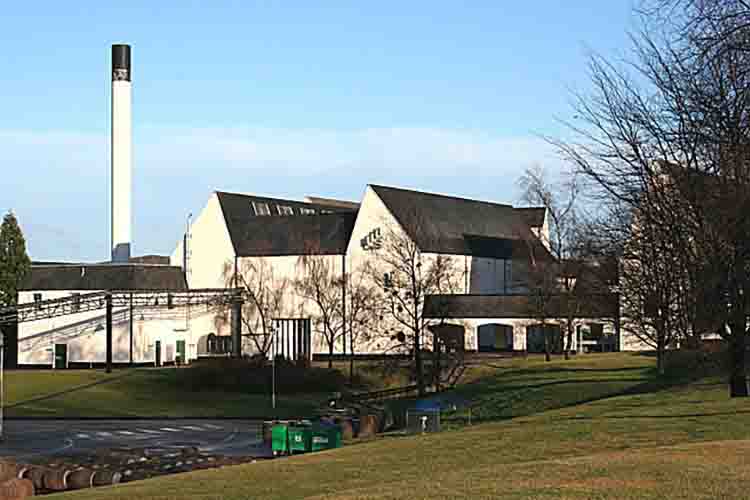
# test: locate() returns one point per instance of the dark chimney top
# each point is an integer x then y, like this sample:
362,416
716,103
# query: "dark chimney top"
121,62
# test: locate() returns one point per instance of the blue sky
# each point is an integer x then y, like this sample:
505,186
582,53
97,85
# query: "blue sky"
281,98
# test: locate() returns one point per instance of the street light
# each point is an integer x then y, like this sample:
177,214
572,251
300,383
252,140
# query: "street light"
273,369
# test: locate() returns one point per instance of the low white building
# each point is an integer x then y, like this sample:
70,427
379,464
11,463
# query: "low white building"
141,335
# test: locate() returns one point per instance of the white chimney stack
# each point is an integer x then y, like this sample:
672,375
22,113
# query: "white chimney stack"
121,148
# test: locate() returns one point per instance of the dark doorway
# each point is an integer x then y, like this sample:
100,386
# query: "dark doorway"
535,338
157,352
181,358
61,356
495,337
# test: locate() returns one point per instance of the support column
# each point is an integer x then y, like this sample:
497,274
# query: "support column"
109,333
131,329
236,323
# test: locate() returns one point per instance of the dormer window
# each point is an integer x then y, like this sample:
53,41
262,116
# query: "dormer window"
261,208
307,211
285,210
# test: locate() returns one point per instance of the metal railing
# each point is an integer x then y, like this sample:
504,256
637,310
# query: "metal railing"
74,304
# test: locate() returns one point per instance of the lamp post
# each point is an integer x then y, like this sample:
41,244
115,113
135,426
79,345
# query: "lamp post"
273,369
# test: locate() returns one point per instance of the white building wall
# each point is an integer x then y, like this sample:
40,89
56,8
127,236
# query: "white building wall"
543,232
287,269
629,341
85,333
210,248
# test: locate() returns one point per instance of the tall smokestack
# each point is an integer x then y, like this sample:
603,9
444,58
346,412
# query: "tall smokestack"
121,149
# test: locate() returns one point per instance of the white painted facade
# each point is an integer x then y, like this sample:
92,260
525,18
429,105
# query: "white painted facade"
210,248
84,334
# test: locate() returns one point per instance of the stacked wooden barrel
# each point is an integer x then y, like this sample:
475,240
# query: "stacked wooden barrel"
19,481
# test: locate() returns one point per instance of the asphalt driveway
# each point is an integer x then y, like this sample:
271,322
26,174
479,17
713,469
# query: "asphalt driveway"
32,439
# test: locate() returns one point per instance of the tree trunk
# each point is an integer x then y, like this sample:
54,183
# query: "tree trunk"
418,363
351,365
436,368
737,375
569,339
660,355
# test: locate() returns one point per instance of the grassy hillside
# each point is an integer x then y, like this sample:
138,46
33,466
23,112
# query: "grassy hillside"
141,392
631,438
206,389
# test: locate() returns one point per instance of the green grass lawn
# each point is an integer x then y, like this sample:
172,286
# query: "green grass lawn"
137,392
592,428
162,392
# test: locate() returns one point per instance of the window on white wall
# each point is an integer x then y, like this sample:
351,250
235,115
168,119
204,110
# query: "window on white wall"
508,276
261,208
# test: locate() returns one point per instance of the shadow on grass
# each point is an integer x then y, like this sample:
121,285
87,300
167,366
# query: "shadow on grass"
498,397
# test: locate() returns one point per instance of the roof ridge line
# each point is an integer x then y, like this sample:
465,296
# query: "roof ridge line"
448,196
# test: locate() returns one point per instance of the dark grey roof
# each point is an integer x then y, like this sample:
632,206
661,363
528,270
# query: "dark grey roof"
534,216
292,235
151,259
105,277
604,305
325,232
330,202
446,224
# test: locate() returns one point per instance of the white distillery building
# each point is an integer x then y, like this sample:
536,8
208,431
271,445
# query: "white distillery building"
488,243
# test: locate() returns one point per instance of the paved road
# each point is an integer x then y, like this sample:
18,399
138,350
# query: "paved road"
27,439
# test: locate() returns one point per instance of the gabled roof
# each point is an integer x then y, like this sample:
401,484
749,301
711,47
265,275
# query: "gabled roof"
447,224
104,277
325,232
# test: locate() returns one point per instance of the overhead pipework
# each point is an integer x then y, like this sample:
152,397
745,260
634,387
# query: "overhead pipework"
121,150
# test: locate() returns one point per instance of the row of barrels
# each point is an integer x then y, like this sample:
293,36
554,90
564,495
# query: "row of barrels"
21,481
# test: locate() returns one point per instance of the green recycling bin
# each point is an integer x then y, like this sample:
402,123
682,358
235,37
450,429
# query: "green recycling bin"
280,439
300,438
325,437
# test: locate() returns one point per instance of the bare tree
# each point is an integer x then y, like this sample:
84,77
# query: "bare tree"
264,294
559,277
652,283
407,275
364,303
322,286
543,306
679,133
